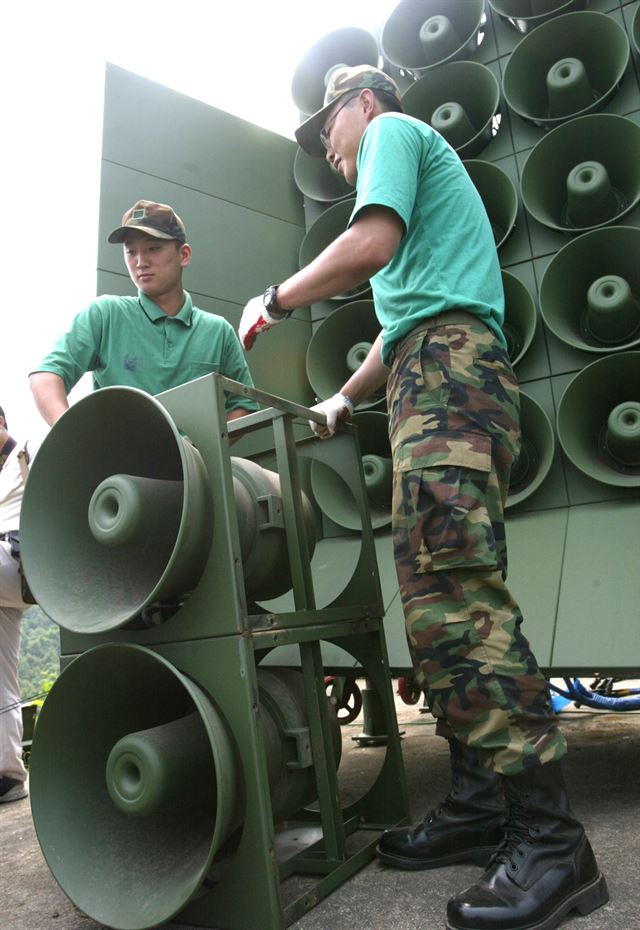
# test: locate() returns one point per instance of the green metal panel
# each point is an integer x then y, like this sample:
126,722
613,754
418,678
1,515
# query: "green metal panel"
536,545
599,608
197,146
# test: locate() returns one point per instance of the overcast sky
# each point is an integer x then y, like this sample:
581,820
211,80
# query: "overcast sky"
239,56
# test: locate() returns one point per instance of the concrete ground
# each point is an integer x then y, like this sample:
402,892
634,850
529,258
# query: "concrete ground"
603,775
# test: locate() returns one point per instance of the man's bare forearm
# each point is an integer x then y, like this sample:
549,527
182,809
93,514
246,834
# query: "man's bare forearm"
49,394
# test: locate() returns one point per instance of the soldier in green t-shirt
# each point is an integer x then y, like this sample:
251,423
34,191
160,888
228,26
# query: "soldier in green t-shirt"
420,233
155,341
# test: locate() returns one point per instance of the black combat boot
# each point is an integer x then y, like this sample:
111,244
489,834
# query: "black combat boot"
543,869
469,823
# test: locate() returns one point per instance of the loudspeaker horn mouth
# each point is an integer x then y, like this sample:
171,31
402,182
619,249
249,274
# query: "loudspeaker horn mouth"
590,291
570,66
422,35
536,454
350,46
525,16
499,197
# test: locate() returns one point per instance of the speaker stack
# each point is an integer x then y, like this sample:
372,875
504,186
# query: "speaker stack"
540,98
167,756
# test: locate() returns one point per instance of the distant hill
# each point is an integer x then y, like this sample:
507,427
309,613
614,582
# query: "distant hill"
39,652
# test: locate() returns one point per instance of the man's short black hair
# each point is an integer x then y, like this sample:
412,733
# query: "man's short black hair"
387,101
3,416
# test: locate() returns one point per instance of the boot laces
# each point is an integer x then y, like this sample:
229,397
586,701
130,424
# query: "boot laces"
517,832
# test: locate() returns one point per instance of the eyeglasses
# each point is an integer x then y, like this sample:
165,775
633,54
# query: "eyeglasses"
326,129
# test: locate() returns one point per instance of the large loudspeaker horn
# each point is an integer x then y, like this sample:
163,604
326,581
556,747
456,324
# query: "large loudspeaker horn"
520,318
569,66
536,451
316,178
499,196
421,34
333,495
599,420
329,225
131,521
584,174
460,101
590,291
635,31
339,346
342,47
135,790
526,15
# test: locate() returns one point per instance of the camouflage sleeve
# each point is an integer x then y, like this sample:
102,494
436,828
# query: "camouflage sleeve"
76,351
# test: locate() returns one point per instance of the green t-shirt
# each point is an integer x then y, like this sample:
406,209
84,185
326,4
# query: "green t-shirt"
447,257
130,341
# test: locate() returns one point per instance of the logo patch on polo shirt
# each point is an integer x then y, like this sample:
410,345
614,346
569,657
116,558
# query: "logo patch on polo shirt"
130,362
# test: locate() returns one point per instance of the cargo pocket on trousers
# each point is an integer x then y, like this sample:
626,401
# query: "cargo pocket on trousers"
448,477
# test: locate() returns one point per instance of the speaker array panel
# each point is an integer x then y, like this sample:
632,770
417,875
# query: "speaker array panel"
541,100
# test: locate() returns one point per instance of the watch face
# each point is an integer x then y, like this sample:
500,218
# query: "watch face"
269,298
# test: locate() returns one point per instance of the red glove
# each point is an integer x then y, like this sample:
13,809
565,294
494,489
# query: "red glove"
255,320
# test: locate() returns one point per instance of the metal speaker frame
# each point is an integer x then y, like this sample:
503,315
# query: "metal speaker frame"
499,196
520,317
331,492
590,291
316,179
537,450
460,100
329,225
570,66
421,34
598,420
584,174
351,46
339,346
527,15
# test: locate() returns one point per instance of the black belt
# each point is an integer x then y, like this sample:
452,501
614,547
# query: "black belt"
447,317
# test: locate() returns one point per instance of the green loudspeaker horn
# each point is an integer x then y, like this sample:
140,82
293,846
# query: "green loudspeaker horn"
499,197
421,34
460,100
569,66
317,179
536,451
132,520
132,806
590,291
520,317
635,31
526,15
329,225
331,492
341,47
599,420
339,346
584,174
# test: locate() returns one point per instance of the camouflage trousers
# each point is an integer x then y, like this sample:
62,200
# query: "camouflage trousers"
454,430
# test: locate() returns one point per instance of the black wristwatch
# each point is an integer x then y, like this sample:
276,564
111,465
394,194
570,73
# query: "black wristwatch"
270,301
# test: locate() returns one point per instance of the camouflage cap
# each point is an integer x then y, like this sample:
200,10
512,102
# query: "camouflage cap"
342,81
155,219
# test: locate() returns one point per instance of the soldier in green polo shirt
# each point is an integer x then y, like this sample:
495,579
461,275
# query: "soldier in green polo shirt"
155,341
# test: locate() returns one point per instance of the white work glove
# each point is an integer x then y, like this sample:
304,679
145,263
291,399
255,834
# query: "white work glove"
336,408
255,320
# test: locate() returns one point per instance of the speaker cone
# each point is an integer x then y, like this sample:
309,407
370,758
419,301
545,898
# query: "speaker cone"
599,420
520,317
526,15
536,451
590,291
499,197
341,47
421,34
584,174
571,65
329,225
460,100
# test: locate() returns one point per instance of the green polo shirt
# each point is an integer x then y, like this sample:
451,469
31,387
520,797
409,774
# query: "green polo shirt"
447,257
130,341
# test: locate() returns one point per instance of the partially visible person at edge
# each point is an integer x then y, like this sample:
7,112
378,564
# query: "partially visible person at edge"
420,233
155,341
13,471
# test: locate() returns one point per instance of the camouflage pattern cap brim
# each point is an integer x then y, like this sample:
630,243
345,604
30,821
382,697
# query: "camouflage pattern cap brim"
121,233
341,82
